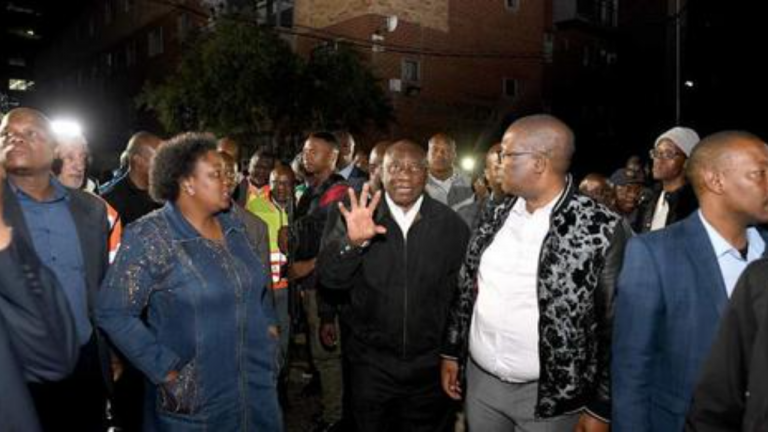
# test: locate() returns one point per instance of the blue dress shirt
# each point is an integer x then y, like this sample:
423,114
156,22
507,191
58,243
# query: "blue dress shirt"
729,258
56,242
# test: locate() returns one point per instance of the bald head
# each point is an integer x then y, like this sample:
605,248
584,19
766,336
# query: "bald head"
729,173
141,140
716,153
548,135
404,147
141,151
536,154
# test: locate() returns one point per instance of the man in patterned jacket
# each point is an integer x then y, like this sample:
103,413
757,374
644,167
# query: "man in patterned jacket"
532,320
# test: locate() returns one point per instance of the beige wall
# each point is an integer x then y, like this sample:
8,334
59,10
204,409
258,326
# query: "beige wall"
325,13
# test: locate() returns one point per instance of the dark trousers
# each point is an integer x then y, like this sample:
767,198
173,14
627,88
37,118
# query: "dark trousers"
78,402
393,394
128,400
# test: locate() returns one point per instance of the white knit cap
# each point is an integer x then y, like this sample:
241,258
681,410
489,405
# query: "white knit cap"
684,138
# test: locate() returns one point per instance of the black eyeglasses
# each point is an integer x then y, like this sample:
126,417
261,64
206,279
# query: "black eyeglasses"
664,154
399,168
503,155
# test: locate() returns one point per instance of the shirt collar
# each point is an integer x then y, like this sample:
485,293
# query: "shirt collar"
185,230
520,209
398,212
755,243
347,171
60,192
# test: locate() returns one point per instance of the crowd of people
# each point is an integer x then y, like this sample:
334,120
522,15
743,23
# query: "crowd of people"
519,300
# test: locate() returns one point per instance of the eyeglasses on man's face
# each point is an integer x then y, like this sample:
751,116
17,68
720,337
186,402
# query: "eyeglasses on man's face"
407,168
664,154
515,154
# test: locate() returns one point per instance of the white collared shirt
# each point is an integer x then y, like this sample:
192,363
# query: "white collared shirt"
404,219
728,257
504,337
660,213
347,171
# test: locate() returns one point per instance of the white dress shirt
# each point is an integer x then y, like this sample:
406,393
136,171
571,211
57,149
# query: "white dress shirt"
404,219
729,258
504,337
660,213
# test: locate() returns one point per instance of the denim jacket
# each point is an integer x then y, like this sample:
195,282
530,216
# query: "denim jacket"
174,300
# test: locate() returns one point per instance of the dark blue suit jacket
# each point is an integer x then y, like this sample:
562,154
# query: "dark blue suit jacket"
669,301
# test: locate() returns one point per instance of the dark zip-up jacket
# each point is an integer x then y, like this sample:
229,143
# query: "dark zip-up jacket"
681,202
400,288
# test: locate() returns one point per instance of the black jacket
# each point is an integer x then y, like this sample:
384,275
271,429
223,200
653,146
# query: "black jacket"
400,290
37,333
732,394
681,202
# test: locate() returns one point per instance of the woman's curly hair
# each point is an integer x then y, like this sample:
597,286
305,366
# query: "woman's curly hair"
175,160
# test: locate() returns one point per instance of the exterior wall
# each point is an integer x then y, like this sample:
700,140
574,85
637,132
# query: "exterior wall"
460,90
326,13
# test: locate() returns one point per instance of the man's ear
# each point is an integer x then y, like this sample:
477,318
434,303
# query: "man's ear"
713,181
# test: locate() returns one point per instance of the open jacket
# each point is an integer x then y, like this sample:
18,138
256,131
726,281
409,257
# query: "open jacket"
579,263
38,341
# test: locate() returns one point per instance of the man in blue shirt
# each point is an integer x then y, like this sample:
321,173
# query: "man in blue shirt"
68,231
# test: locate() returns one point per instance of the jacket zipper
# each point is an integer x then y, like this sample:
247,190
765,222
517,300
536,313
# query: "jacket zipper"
405,293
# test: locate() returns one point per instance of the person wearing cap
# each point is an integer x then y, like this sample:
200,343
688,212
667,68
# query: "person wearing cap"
628,186
672,199
675,284
599,188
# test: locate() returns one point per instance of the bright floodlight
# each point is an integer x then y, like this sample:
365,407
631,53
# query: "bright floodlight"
66,128
688,84
468,163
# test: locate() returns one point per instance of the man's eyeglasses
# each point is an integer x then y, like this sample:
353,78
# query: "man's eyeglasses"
399,168
664,154
503,155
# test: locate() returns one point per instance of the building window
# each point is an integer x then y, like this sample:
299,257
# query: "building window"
108,12
17,84
155,40
17,62
512,5
130,53
510,88
22,9
411,70
183,26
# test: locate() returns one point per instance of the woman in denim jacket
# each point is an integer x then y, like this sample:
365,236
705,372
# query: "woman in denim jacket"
186,302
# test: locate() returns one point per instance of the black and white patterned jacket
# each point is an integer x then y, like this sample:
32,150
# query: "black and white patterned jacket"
579,263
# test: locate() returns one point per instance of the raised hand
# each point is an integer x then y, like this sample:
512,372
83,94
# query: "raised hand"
359,217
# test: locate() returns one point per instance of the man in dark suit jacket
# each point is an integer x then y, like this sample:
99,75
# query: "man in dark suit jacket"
676,282
68,231
732,394
37,333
